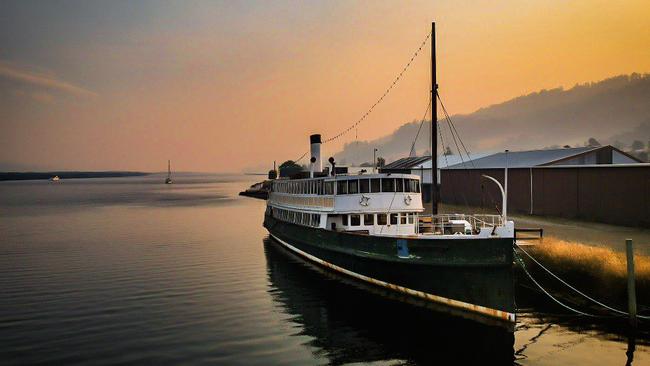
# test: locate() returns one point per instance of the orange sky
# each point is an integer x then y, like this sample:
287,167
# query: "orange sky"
230,86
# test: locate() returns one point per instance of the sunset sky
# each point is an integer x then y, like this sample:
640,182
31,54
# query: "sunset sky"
231,86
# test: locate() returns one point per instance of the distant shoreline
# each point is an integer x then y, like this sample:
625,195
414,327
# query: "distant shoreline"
65,175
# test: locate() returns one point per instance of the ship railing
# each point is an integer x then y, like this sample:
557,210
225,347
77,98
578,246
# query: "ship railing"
448,223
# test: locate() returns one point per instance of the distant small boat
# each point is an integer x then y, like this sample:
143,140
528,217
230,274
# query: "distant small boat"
168,180
55,178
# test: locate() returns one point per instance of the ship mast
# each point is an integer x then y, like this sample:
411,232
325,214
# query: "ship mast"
434,125
169,169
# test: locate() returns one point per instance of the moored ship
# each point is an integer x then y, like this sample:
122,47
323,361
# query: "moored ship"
372,227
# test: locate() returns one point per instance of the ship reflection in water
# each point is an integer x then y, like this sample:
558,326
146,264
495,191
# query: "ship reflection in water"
352,322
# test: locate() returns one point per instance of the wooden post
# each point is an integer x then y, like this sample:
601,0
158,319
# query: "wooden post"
631,290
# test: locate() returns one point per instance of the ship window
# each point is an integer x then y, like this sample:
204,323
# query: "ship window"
410,217
364,186
353,186
345,220
408,185
355,220
368,219
393,219
399,185
375,185
381,219
388,184
329,188
402,219
341,187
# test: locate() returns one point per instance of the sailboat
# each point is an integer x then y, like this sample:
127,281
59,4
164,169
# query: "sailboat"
168,180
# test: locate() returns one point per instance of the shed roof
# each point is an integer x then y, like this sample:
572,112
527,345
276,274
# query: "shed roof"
524,159
417,162
407,163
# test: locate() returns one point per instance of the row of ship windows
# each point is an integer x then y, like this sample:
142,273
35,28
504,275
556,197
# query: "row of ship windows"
347,186
295,217
379,219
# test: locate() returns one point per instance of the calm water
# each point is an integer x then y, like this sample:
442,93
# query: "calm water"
129,270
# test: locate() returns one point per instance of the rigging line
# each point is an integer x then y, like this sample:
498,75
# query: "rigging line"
442,142
456,138
454,128
455,134
421,123
301,157
575,289
399,76
460,153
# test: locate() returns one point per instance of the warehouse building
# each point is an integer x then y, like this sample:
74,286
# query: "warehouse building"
600,184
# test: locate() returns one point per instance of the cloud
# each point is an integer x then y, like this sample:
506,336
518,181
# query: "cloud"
11,72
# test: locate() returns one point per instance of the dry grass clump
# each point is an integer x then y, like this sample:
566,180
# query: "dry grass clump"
600,270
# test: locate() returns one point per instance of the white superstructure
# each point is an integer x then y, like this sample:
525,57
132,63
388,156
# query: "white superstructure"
373,204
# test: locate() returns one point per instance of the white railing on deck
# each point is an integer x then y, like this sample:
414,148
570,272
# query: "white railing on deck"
437,223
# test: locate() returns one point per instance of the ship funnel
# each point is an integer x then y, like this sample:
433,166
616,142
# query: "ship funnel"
317,164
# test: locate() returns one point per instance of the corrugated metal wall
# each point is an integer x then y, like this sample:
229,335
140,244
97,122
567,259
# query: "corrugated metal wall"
615,195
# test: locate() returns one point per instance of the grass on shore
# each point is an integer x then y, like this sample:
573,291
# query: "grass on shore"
595,270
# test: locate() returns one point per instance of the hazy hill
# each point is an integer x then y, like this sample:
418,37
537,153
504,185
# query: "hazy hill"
615,110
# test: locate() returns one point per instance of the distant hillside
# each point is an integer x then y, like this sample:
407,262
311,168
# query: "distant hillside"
614,111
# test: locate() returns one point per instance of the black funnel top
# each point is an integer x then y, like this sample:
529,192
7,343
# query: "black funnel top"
315,139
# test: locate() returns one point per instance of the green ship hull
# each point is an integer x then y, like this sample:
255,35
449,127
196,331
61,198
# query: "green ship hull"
474,276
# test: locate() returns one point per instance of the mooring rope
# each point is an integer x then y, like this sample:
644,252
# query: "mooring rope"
523,266
575,289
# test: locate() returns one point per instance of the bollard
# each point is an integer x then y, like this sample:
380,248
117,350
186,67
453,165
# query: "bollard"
631,290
